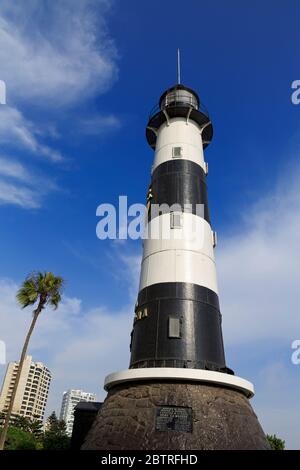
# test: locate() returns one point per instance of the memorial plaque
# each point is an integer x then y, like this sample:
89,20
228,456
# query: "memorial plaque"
174,418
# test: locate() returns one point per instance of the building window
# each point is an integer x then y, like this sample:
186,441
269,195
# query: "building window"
214,239
174,327
175,219
177,152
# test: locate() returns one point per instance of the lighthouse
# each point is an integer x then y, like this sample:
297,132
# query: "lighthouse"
177,318
178,392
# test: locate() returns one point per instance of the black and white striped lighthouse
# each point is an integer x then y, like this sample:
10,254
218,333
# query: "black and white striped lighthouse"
177,319
178,392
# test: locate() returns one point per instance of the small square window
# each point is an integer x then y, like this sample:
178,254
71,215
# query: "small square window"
174,327
177,152
175,220
214,239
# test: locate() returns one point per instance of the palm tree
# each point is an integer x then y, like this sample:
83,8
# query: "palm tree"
41,289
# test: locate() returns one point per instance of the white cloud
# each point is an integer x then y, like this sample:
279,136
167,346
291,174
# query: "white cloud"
18,195
258,269
17,131
56,53
129,269
21,187
52,55
13,169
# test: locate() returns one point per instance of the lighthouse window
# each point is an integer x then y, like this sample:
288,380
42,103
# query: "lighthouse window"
177,152
215,239
175,220
174,327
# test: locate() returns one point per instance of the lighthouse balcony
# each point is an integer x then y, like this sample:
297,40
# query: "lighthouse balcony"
179,103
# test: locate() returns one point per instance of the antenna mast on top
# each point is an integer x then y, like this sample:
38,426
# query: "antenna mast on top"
178,65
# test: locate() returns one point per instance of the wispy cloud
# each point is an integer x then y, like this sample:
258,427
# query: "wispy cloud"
129,269
56,53
13,169
53,55
18,195
16,130
258,268
21,187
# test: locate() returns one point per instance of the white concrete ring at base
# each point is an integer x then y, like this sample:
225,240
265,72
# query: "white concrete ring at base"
172,373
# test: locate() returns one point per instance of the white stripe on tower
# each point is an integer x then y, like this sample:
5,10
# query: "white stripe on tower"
182,254
175,256
183,133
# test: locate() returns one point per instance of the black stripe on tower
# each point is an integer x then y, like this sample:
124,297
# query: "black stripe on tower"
179,182
178,325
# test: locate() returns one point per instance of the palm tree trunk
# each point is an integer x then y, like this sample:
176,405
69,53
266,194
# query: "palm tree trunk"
36,313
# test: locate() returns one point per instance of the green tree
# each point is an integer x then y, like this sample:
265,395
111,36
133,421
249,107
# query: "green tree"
275,442
17,439
41,289
55,437
36,428
20,422
32,425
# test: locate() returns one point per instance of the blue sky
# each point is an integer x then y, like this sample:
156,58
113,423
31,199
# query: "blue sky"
81,78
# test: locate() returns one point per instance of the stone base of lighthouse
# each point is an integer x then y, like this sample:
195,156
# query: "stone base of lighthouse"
172,415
